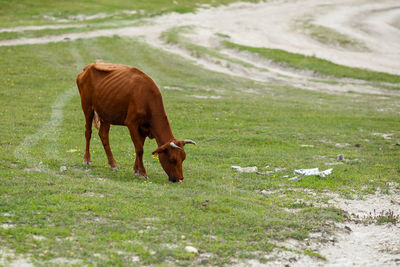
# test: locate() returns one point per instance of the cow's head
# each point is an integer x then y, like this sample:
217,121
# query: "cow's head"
171,155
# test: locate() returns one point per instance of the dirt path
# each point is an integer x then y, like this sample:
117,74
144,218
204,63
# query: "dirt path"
272,25
275,25
359,244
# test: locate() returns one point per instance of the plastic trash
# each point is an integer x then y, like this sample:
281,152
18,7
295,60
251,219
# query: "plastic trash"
325,173
296,178
314,171
245,169
191,249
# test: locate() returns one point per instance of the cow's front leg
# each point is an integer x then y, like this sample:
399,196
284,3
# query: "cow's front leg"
88,134
138,141
139,166
103,133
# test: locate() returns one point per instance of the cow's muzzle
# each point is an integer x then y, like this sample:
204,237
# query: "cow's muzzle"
175,179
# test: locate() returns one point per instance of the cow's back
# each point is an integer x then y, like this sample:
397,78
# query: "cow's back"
113,90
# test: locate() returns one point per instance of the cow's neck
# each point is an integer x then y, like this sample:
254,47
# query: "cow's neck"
161,129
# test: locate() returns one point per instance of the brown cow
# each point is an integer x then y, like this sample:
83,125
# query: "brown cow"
124,95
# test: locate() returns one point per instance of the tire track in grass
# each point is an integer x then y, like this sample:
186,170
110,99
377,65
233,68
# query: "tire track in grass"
49,131
23,151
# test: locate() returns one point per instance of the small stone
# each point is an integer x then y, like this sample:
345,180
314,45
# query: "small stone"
63,169
205,203
183,237
340,157
204,262
348,228
6,226
296,178
38,237
191,249
357,145
264,192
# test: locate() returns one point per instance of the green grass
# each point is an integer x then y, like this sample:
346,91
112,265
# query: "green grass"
98,216
317,65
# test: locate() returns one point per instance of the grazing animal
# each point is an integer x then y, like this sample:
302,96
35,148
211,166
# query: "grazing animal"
123,95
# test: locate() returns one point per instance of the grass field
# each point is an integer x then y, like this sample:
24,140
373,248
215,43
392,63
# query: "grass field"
96,216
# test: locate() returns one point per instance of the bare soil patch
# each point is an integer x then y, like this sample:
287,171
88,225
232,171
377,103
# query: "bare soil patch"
273,25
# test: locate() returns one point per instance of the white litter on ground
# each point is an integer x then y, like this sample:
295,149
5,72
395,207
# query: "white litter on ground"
314,171
191,249
307,145
245,169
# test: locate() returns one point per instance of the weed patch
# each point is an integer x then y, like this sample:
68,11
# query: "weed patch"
382,217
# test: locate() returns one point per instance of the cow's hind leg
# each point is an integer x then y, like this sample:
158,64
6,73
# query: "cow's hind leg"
138,141
104,133
89,113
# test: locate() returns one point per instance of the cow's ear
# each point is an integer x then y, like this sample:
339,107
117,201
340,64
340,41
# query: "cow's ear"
157,151
160,149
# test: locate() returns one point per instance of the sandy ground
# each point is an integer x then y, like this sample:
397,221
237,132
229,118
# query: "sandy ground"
374,25
275,25
272,25
359,244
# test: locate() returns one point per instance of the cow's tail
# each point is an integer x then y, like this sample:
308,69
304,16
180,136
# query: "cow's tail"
96,120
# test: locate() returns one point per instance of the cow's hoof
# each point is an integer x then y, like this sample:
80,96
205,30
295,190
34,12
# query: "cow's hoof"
141,176
115,168
88,163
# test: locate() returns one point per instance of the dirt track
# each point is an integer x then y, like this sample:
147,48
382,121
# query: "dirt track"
374,26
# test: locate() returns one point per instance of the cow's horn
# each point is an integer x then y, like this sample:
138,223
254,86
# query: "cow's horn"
188,141
173,145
